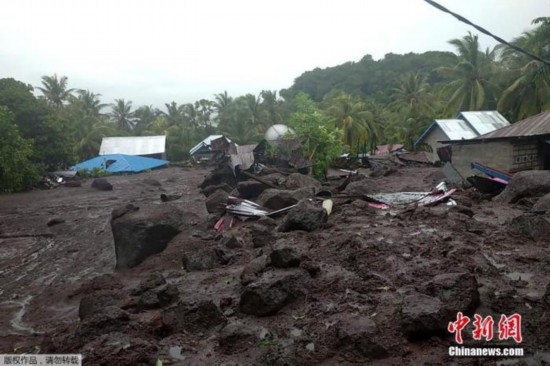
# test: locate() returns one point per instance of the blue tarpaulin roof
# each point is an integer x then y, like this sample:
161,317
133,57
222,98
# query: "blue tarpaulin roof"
120,163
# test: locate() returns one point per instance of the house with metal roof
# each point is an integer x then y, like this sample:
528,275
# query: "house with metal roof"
466,126
120,163
148,146
209,148
524,145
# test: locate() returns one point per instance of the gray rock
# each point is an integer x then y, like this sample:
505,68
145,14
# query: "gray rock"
250,189
230,241
543,203
456,291
272,292
197,317
237,337
221,175
529,183
140,234
535,227
216,202
102,184
152,281
421,315
262,235
285,258
297,180
205,258
358,336
305,216
93,303
359,188
277,199
55,221
158,297
253,269
207,191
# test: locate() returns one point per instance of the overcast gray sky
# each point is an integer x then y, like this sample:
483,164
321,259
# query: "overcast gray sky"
156,51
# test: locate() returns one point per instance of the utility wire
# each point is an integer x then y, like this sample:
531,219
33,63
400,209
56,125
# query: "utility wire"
483,30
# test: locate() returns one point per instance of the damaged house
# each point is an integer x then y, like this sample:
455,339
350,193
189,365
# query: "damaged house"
210,148
466,126
524,145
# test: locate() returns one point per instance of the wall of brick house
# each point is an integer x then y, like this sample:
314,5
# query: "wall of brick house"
435,135
507,155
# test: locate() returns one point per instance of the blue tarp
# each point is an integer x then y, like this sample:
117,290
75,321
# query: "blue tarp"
120,163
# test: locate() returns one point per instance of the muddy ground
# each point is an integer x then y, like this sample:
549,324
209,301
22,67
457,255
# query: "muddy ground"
368,286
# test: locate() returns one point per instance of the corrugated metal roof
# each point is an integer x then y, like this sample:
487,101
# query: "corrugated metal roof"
484,121
133,145
456,129
206,142
531,126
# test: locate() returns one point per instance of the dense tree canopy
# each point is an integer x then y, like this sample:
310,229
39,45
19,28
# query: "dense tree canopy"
352,107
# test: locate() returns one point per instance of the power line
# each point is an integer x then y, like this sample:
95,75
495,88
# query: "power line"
484,31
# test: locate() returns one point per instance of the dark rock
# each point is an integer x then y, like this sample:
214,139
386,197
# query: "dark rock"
140,234
285,258
205,258
359,188
73,183
313,268
382,171
237,337
275,178
305,216
55,221
535,227
152,182
230,241
277,199
463,210
543,203
207,191
197,317
527,183
216,202
261,235
272,292
158,297
121,211
102,184
297,180
253,269
95,302
169,197
222,174
358,336
250,189
152,281
457,292
103,282
421,315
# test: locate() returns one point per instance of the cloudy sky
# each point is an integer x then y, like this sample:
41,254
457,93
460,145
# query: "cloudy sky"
156,51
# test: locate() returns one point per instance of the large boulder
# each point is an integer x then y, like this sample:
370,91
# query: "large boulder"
535,227
205,258
196,317
102,184
141,233
305,216
277,199
207,191
216,202
272,292
456,291
543,204
250,189
529,183
285,257
421,315
222,174
297,181
359,188
358,337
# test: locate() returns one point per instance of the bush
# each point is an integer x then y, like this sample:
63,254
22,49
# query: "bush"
17,172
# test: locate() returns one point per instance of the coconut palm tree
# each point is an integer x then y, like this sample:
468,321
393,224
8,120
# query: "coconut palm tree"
122,114
271,105
89,102
351,116
472,88
529,92
55,90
